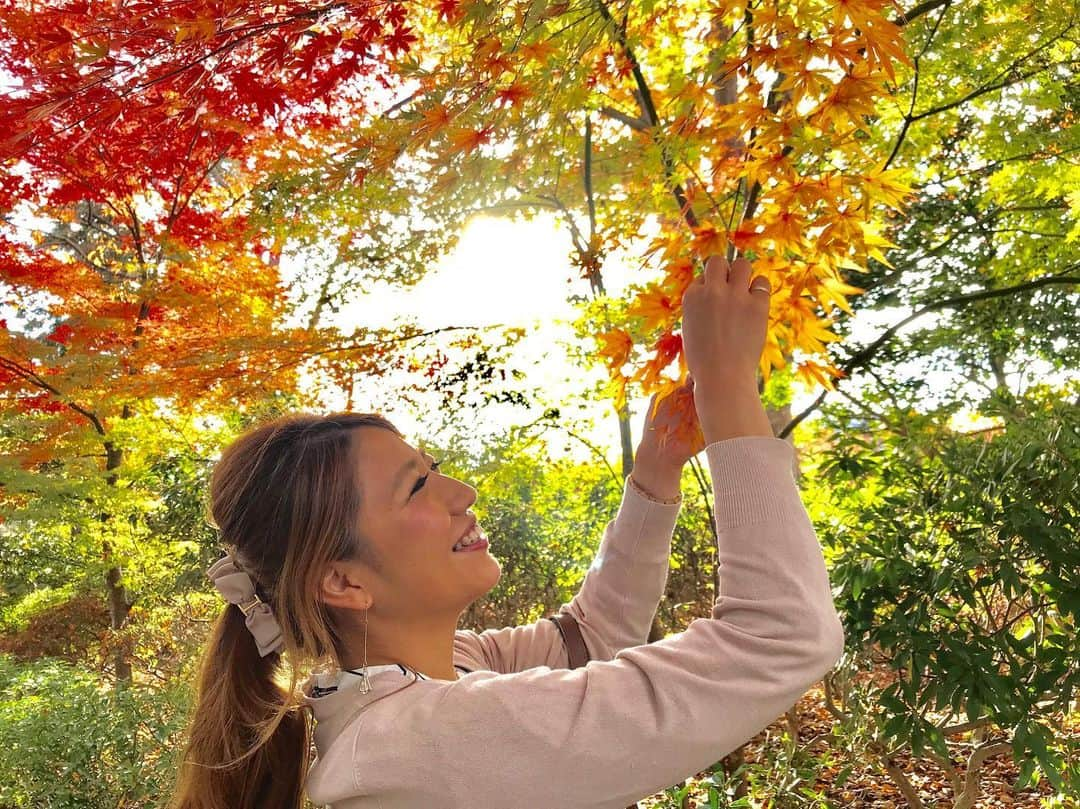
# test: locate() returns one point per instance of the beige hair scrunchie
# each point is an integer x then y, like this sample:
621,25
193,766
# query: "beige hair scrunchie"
237,588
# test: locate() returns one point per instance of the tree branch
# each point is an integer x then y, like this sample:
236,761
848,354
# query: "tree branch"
918,11
637,124
648,109
37,381
864,355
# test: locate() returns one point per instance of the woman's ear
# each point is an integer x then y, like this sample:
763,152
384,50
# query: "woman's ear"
341,587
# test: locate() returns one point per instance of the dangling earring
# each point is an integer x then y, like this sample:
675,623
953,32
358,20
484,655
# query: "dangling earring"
365,686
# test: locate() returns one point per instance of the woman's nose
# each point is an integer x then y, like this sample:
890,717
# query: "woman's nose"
464,494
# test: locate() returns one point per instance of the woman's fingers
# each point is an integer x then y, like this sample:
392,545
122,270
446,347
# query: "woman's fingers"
716,270
740,274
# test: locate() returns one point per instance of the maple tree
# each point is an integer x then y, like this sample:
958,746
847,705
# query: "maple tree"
137,288
756,143
973,604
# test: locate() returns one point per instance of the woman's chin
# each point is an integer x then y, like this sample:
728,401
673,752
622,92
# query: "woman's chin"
496,571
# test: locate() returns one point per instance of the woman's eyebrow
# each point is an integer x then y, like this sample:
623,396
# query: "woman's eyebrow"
399,478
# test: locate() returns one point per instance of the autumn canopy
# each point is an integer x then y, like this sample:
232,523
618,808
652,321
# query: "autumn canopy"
181,147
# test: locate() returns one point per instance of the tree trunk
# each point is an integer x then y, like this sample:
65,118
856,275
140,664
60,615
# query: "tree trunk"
627,440
118,612
119,607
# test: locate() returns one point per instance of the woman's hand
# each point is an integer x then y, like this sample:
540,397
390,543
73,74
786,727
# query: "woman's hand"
672,436
725,321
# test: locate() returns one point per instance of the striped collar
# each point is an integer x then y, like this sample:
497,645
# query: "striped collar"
326,683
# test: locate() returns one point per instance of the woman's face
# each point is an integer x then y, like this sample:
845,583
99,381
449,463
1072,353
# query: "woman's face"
414,516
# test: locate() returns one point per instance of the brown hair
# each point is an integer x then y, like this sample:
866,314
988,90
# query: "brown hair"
287,502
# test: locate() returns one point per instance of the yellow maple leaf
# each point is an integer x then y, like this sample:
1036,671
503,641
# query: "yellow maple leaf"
833,290
888,187
810,372
785,227
874,243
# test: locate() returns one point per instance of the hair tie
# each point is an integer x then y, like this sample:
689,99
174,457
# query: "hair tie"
237,588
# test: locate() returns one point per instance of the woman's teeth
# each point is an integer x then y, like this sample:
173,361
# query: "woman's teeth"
474,536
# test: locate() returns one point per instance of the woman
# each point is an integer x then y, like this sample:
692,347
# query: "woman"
355,545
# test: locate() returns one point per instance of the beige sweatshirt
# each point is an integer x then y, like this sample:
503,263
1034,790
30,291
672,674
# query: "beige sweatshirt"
521,731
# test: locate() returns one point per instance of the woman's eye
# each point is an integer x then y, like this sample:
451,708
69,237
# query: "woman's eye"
420,483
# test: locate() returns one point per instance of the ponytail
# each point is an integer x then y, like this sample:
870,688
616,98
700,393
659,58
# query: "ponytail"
285,499
248,743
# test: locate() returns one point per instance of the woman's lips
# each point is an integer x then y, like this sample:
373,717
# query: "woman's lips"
479,545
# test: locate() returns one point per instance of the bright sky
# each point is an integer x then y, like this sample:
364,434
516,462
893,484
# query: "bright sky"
512,273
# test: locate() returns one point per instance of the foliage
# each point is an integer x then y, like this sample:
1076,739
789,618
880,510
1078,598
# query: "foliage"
65,742
758,140
690,127
955,558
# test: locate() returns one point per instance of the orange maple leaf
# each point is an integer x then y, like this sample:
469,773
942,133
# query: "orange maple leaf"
709,241
615,348
513,94
436,117
468,140
537,51
678,275
655,305
667,348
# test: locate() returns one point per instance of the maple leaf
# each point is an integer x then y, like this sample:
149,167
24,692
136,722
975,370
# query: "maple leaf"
851,100
654,305
678,275
436,117
709,240
772,355
449,10
887,187
538,51
615,347
491,57
834,290
785,228
513,94
666,349
809,372
469,140
400,40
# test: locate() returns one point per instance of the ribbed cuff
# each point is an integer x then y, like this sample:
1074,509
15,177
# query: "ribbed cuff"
753,480
651,523
672,501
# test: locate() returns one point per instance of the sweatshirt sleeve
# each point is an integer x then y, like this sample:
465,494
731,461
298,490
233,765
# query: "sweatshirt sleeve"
614,606
615,731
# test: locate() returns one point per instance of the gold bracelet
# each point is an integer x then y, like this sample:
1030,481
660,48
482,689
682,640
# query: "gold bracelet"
666,501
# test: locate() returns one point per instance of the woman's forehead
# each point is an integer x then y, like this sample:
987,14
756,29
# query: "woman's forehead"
384,462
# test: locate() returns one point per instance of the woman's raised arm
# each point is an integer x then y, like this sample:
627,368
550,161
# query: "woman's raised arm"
615,731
